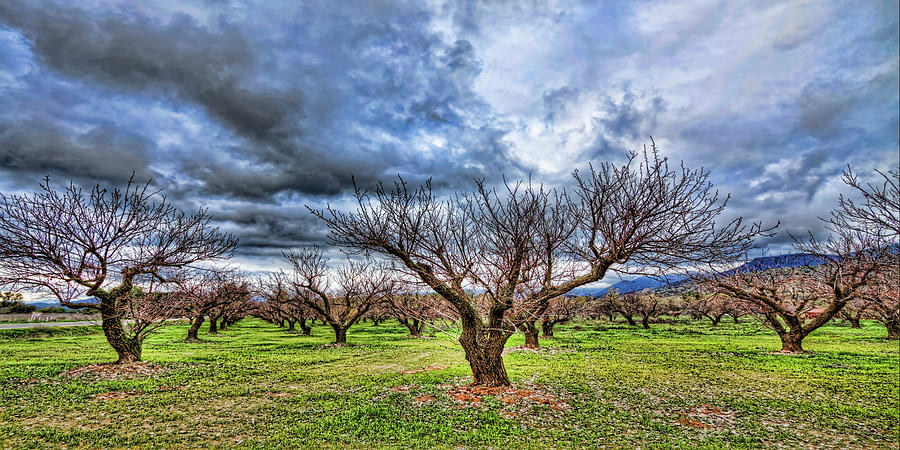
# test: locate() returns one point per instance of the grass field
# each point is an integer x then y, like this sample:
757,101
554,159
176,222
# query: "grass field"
596,384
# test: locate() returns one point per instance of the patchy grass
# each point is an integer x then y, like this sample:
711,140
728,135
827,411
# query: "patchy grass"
595,385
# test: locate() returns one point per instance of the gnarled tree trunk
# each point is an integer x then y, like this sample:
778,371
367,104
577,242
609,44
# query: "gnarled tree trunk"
413,325
547,328
304,328
340,334
645,322
893,329
194,328
486,359
128,348
792,342
854,322
531,333
213,326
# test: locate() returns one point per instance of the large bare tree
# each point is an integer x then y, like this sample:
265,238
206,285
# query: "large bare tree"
877,217
116,246
639,217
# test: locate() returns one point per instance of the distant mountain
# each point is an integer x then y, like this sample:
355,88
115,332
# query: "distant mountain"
44,303
781,261
641,283
633,285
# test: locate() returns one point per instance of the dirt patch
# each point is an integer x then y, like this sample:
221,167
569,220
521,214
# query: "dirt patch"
423,399
427,369
692,423
106,372
705,416
279,394
509,396
119,395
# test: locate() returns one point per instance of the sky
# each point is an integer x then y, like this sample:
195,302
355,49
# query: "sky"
256,109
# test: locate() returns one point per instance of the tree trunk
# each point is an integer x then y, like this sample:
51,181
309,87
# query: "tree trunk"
735,319
414,326
375,322
715,320
531,334
486,360
547,328
195,327
893,329
340,334
630,320
128,348
291,324
213,325
792,343
854,322
645,322
306,329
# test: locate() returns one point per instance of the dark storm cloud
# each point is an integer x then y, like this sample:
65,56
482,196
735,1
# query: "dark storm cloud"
265,232
32,148
306,107
180,58
254,109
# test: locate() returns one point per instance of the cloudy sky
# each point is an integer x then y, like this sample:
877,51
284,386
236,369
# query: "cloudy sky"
255,109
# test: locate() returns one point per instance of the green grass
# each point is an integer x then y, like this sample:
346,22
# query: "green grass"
259,386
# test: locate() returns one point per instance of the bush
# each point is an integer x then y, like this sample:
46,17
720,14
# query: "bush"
16,307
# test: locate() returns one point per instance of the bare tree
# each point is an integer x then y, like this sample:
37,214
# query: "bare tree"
640,217
713,306
343,300
204,290
878,215
561,310
881,296
853,312
644,304
116,246
795,301
281,305
413,308
877,218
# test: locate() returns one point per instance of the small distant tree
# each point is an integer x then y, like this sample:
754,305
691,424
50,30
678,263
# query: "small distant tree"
853,312
341,296
9,297
281,306
561,310
202,291
110,251
713,306
646,304
795,301
881,297
413,308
